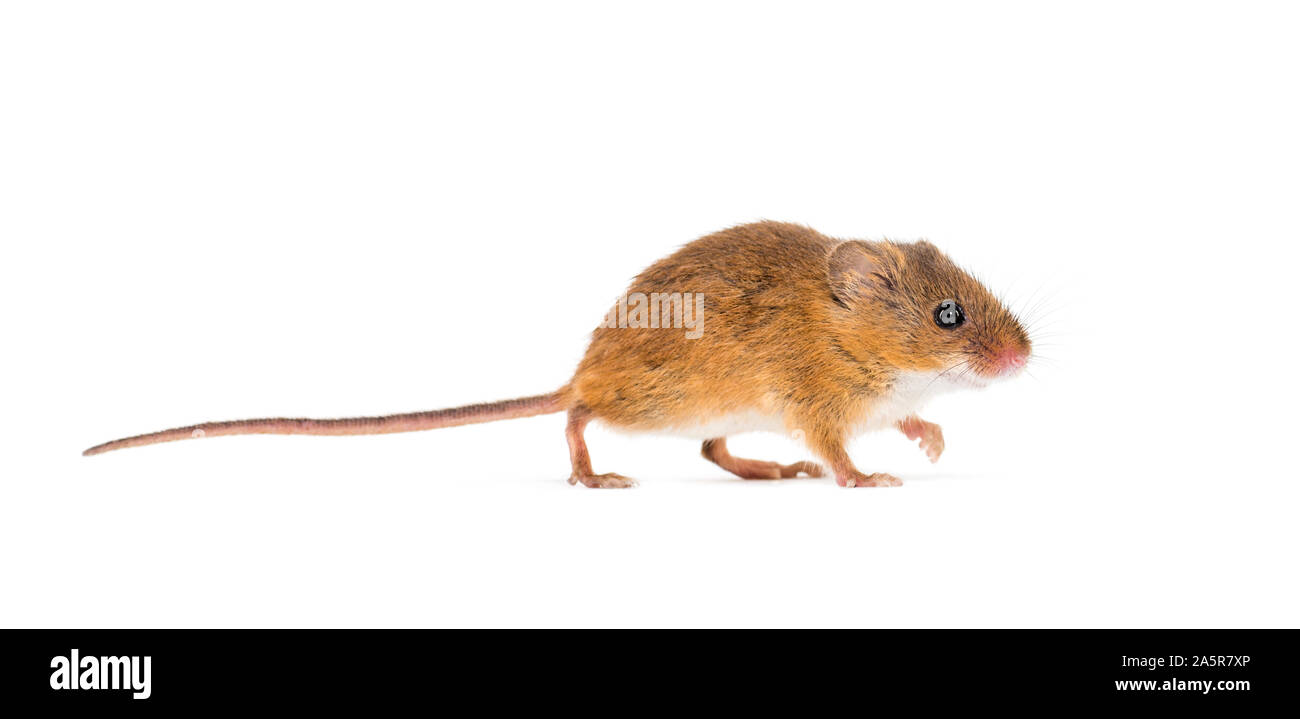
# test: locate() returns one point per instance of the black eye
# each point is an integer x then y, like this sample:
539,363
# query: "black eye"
949,314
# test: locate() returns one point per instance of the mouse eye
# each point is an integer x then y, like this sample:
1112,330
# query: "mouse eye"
949,315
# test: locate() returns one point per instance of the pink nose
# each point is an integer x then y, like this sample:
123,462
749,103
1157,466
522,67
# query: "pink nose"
1011,360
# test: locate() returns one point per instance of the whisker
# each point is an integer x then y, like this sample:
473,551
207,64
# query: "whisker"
941,374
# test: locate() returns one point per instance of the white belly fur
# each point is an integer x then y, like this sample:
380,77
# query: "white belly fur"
729,425
909,394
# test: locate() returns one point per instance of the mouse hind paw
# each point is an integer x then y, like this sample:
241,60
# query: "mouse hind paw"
715,450
603,481
578,418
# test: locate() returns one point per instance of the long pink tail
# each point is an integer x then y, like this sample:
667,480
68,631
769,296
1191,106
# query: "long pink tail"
412,422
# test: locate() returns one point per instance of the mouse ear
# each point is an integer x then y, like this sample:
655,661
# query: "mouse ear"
858,269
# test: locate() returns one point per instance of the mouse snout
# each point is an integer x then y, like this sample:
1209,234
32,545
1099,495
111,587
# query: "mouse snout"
1011,360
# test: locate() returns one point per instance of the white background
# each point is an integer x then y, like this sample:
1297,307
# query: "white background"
223,210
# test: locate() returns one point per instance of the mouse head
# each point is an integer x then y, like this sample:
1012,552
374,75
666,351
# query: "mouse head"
912,307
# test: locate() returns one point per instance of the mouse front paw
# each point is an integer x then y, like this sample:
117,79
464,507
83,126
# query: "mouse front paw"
859,479
930,434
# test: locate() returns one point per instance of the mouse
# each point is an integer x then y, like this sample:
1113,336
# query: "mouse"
766,326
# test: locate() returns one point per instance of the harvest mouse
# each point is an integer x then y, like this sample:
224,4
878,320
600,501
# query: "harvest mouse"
768,326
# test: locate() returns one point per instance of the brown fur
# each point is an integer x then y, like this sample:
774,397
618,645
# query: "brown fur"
796,324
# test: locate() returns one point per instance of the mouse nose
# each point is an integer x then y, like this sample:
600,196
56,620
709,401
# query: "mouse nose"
1011,360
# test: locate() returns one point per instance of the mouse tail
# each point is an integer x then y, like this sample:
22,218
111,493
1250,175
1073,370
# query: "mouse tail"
411,422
